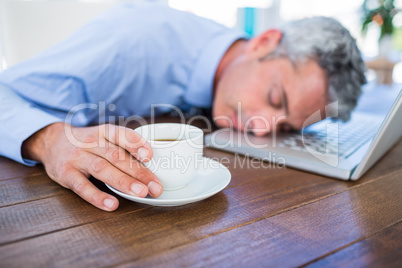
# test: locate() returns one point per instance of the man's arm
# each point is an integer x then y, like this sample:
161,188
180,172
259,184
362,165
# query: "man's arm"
19,119
71,155
112,154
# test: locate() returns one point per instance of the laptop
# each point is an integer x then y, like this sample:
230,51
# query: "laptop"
331,148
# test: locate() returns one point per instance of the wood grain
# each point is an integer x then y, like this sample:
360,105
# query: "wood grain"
298,236
29,188
383,249
48,215
10,169
193,234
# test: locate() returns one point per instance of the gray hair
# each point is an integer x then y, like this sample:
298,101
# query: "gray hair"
330,44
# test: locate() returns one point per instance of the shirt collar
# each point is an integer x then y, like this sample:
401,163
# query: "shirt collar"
200,88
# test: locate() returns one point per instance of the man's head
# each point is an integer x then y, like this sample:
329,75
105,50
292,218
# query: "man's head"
281,77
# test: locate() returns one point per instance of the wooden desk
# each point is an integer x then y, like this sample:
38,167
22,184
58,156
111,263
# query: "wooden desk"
265,217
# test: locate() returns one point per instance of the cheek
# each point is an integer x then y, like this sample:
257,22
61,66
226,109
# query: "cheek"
255,91
220,110
250,90
221,114
253,101
239,86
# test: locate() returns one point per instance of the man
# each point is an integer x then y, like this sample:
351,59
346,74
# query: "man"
134,56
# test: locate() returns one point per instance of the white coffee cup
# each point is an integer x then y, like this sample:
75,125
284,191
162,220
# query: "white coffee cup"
177,152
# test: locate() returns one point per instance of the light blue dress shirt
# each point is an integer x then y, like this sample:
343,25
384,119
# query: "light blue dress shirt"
132,56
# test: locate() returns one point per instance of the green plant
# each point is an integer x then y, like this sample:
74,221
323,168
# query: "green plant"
380,12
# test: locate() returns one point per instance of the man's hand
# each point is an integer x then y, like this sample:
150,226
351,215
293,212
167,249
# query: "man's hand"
109,153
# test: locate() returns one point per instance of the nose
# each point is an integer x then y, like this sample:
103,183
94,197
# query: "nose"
259,125
262,125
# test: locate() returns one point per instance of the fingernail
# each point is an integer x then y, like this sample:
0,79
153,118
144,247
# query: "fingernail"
108,202
155,188
137,188
143,153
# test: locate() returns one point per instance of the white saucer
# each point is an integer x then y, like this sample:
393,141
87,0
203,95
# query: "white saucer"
212,178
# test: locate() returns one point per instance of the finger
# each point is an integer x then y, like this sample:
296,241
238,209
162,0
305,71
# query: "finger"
128,139
127,164
80,184
103,170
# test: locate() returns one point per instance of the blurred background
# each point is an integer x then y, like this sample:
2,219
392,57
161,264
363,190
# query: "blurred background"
29,26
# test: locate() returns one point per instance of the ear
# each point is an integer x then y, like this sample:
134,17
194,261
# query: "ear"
264,43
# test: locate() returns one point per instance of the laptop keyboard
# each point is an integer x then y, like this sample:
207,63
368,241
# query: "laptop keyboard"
333,138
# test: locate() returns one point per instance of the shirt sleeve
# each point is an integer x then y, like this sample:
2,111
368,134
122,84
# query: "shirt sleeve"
19,119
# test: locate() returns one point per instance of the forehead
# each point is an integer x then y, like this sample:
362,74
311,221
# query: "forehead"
305,86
